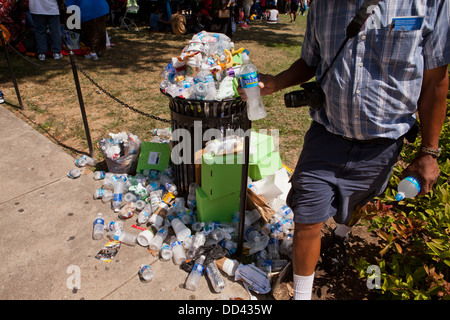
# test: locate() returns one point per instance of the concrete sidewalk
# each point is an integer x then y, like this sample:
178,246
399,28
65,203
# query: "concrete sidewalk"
46,232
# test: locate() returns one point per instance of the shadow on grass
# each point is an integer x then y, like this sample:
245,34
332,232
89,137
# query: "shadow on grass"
270,35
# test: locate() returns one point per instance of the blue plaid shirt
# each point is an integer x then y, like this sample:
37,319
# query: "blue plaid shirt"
373,88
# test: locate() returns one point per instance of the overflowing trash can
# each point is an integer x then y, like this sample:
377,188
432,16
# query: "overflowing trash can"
190,119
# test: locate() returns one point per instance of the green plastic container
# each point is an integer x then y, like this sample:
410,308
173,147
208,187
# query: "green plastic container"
220,209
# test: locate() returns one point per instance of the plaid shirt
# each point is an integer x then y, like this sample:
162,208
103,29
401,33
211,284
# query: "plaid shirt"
373,88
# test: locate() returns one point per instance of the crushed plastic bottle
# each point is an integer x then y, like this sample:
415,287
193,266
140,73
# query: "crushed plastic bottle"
146,273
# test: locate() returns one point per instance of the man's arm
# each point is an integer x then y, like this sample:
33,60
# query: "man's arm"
432,107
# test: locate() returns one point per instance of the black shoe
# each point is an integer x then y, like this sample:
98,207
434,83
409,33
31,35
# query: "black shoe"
334,256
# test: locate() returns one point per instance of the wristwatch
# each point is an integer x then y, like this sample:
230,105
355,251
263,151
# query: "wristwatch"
434,152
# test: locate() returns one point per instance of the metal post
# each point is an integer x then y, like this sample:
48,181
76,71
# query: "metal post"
243,195
80,100
13,75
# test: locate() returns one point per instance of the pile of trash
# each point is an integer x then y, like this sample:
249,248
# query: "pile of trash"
168,227
206,69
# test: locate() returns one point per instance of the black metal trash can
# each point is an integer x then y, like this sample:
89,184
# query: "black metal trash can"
187,114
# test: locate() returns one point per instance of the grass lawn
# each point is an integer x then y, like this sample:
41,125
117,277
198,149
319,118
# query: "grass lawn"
131,72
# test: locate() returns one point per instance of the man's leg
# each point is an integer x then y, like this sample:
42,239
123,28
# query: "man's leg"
305,255
40,32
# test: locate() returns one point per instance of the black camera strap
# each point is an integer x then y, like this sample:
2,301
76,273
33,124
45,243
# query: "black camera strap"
354,27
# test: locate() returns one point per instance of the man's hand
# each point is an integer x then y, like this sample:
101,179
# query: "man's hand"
424,168
266,84
432,112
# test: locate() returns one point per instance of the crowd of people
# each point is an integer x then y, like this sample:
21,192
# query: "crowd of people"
41,26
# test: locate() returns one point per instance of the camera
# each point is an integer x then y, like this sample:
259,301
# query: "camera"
311,96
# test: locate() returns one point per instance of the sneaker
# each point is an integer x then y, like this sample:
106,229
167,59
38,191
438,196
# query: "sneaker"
57,56
41,57
2,99
92,56
334,256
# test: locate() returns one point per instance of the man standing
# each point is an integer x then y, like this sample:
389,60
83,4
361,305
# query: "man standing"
45,14
396,65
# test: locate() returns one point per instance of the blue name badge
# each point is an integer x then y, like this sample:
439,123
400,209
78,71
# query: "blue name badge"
407,23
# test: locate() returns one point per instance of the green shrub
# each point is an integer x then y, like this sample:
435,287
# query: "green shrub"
415,256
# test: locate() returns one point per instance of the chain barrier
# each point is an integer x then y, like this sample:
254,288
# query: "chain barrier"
120,101
61,67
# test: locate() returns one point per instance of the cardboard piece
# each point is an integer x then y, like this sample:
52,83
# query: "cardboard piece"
153,155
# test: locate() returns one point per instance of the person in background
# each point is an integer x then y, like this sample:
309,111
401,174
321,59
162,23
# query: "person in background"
45,13
273,16
294,9
387,73
94,14
157,24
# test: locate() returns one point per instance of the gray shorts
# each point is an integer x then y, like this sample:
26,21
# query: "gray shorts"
334,175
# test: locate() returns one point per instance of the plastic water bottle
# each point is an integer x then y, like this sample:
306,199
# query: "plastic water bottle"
146,272
99,227
100,192
99,175
144,215
129,197
198,241
158,239
179,255
273,248
164,133
249,82
119,189
123,236
215,277
250,234
251,217
166,252
195,274
74,173
286,245
107,196
115,225
407,188
272,265
85,160
191,198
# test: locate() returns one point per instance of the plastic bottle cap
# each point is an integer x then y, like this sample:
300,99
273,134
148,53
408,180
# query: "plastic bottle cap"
400,196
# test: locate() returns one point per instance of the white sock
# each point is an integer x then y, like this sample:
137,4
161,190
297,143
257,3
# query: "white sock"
342,230
303,287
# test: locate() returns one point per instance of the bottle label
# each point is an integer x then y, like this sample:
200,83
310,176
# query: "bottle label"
249,80
199,268
175,243
117,235
117,197
99,221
